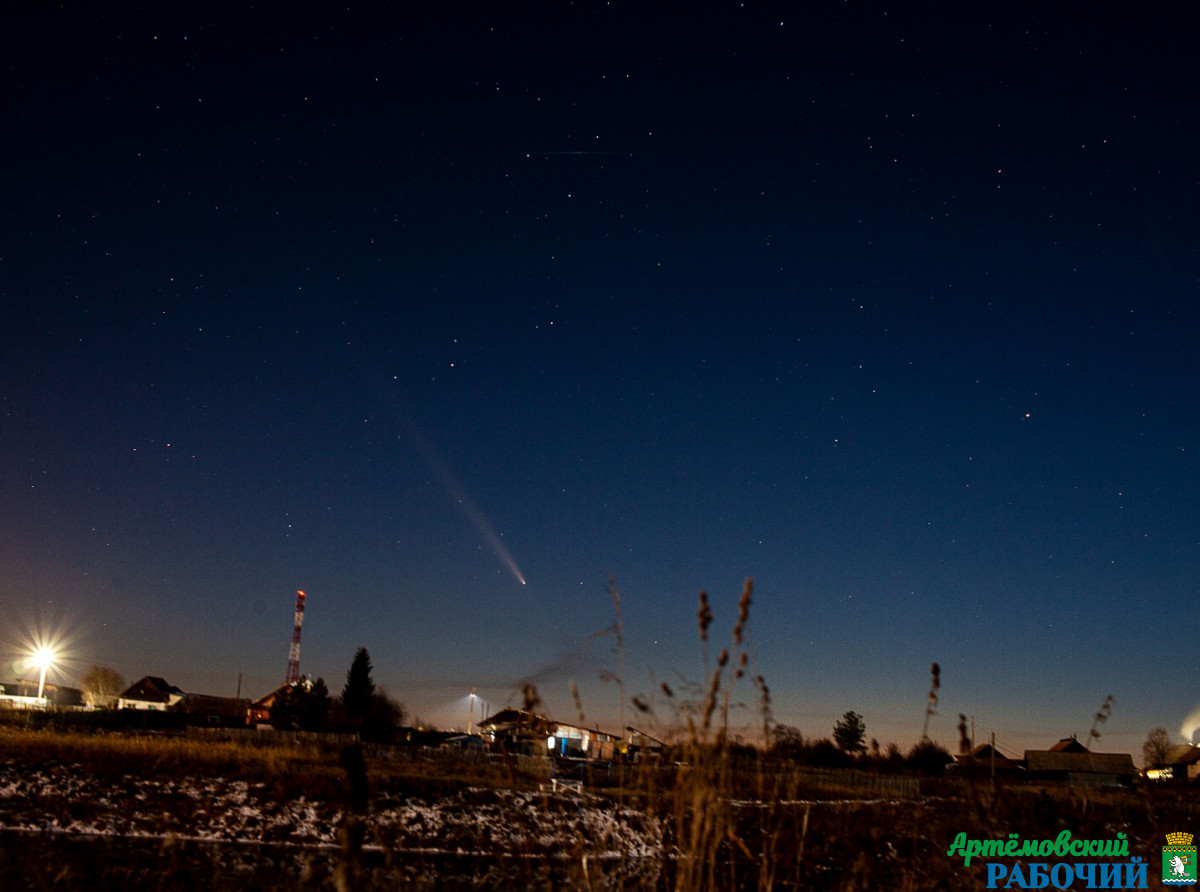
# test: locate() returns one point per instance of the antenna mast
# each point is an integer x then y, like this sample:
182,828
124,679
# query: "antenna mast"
293,667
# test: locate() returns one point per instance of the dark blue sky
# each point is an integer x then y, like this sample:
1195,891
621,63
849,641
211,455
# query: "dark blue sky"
893,310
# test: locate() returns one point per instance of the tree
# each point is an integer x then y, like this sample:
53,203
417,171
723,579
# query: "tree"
384,715
303,706
359,689
786,743
823,754
102,685
928,758
1156,748
893,757
313,714
850,732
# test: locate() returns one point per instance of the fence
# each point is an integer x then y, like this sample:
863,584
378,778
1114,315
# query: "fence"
887,785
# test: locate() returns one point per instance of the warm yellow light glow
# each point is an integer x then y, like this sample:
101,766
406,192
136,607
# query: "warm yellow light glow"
43,657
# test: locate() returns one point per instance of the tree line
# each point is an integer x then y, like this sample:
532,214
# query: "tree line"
363,707
849,748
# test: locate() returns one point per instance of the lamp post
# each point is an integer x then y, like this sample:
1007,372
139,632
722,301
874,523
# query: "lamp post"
43,657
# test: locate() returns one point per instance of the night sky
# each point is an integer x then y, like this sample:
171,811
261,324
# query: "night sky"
449,313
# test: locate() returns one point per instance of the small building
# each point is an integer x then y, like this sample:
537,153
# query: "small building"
204,709
581,743
985,760
517,731
641,746
1085,768
521,731
1182,764
259,711
464,743
150,693
23,694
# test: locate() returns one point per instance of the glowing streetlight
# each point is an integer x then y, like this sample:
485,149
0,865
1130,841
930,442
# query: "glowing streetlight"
43,658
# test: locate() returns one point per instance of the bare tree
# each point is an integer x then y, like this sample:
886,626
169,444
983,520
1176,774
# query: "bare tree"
1155,749
102,685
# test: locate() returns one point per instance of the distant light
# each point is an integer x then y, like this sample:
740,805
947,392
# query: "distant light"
43,657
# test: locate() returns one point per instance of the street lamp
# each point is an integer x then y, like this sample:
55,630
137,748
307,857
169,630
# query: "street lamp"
43,657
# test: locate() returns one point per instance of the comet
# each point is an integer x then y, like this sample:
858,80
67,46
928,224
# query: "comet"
475,517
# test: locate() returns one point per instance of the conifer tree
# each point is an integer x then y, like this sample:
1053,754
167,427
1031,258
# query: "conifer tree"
359,689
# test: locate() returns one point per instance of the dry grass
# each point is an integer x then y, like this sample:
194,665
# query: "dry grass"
729,817
734,821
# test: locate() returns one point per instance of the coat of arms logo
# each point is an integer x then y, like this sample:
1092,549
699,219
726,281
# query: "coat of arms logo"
1179,860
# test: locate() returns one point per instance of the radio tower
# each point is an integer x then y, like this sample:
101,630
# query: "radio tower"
293,669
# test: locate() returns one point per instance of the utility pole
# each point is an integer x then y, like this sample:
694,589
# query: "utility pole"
471,713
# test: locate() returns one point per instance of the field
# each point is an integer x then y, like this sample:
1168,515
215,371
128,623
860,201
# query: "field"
111,811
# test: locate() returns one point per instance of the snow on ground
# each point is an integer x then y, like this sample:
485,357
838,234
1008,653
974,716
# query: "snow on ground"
62,799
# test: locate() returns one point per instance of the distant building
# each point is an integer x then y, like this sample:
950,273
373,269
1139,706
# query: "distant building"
1068,745
1182,764
153,694
203,709
985,760
259,712
467,743
23,694
150,693
1070,762
518,730
640,746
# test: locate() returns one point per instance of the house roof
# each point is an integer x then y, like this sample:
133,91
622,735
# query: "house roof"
151,689
511,716
1184,754
266,701
1079,763
981,756
1068,745
205,704
638,732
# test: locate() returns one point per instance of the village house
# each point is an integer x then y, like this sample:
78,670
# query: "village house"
986,761
641,746
518,730
1070,762
23,694
259,711
154,694
1182,764
206,709
150,693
